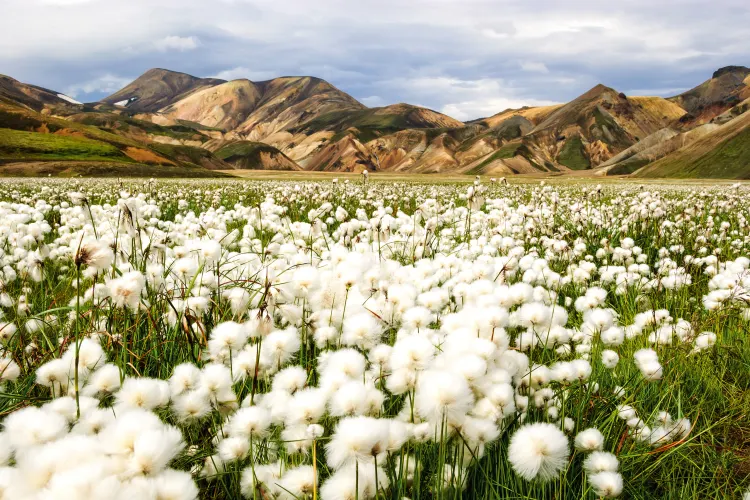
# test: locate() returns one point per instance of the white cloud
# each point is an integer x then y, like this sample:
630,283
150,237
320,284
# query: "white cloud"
242,72
663,92
180,43
373,101
464,99
482,108
537,51
107,83
492,33
534,67
65,2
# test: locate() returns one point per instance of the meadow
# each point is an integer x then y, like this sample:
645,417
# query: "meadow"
355,338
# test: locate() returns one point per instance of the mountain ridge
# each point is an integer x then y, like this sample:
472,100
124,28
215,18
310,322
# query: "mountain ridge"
306,123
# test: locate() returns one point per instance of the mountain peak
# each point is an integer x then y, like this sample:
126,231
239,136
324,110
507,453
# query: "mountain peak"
731,69
32,96
8,78
726,88
163,71
596,91
157,88
170,75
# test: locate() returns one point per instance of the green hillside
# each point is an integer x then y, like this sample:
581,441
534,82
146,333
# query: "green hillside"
729,159
21,145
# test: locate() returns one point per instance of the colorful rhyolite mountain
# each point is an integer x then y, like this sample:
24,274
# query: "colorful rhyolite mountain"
166,123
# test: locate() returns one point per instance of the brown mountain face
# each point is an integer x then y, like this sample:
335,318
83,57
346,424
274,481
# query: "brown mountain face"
308,119
157,88
534,114
373,122
33,97
443,149
598,124
257,110
345,154
726,88
290,102
223,106
710,139
347,139
272,112
255,156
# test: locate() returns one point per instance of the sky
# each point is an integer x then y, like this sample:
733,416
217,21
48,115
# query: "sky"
465,58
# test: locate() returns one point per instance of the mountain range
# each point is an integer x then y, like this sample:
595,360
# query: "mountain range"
167,123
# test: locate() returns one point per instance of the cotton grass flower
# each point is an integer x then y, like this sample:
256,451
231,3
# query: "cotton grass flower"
9,370
647,362
600,461
442,395
589,440
538,451
704,341
606,484
94,254
357,440
126,290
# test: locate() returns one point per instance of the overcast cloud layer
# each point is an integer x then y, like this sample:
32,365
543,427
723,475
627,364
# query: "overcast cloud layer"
466,58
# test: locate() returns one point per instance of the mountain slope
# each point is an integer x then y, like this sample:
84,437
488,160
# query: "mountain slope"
255,156
652,148
669,140
597,125
157,88
663,110
342,137
182,133
533,114
726,88
31,96
443,149
723,153
370,123
604,114
77,148
291,102
257,110
224,106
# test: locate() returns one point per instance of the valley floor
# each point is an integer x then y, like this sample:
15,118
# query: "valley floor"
571,178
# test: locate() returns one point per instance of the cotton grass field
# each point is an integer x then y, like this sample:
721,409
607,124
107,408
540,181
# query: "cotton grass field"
320,339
